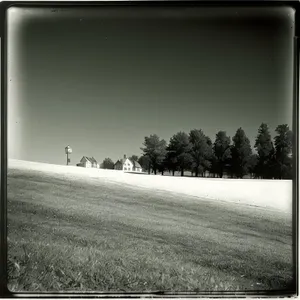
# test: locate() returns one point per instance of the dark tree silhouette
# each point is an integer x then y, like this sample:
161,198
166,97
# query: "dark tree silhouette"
162,166
241,153
210,155
222,152
134,158
283,152
197,153
265,151
171,162
107,164
253,160
155,150
178,154
200,151
213,169
144,162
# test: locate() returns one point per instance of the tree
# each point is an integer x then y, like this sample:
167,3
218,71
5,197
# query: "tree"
207,165
171,162
107,164
134,158
222,152
144,162
213,169
200,151
265,150
283,152
155,150
162,166
178,155
241,154
252,165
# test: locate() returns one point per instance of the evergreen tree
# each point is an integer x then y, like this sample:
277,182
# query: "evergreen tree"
200,151
283,152
155,150
178,152
144,162
207,165
222,152
265,150
253,161
107,164
171,162
241,154
134,158
213,169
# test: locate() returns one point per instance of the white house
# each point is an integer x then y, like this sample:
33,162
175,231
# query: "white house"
88,162
128,165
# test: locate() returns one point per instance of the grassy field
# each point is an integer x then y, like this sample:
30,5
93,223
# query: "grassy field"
70,235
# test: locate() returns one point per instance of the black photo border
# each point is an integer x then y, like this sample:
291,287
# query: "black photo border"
4,292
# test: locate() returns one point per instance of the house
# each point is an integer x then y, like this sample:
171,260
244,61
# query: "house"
88,162
128,165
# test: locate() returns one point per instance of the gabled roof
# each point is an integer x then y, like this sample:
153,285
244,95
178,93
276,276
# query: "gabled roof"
93,160
90,159
85,158
121,161
134,162
118,162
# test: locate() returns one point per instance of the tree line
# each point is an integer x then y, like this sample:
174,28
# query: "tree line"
197,153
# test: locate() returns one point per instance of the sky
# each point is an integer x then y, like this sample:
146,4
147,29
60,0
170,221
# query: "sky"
101,80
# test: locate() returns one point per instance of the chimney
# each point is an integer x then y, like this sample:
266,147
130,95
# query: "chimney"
124,156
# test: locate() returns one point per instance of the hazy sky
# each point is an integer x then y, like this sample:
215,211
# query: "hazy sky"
101,80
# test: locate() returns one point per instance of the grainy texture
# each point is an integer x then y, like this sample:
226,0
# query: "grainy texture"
103,236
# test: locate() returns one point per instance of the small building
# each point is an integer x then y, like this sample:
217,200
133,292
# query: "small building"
128,165
88,162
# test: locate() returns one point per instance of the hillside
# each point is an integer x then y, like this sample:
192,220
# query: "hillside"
76,229
273,194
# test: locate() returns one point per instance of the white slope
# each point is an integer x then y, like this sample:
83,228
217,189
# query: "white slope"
276,194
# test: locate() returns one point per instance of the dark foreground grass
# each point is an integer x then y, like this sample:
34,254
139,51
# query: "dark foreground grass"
70,235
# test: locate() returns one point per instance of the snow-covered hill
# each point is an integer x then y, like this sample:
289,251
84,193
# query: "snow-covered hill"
276,194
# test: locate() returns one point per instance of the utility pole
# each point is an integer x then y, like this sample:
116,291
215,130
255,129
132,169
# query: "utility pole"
68,151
